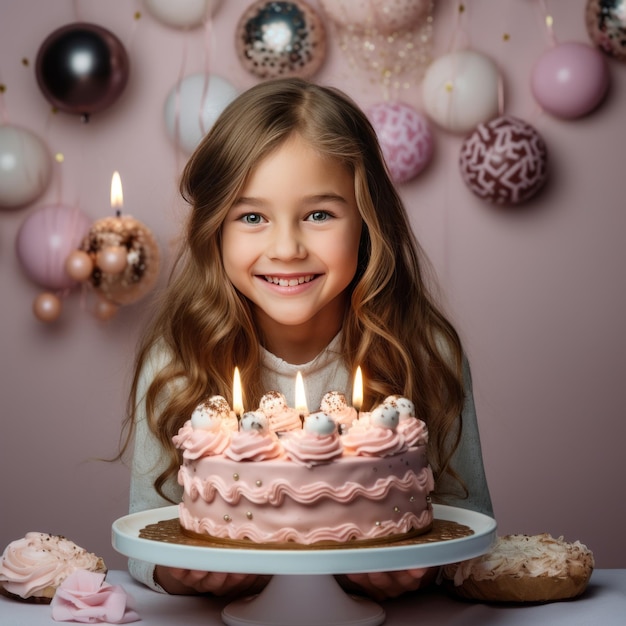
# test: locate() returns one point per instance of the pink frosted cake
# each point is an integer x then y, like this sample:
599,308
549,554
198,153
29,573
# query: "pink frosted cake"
276,477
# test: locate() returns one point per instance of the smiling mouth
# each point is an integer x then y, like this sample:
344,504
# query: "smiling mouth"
290,282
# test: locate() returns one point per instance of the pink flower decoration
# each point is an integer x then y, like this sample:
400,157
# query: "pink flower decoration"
84,597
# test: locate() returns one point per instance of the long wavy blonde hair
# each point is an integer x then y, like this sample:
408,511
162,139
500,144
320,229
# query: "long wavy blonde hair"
392,327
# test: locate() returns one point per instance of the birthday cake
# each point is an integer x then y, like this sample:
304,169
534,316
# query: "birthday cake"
275,476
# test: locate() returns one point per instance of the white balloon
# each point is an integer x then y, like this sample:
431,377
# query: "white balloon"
460,90
182,13
25,167
192,107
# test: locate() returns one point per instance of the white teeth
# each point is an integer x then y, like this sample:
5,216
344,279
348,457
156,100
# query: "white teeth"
291,282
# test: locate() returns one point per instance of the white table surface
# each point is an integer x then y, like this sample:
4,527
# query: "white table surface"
603,604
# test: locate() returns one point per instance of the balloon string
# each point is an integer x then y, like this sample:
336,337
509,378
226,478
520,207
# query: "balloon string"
77,11
208,38
548,21
4,113
133,30
177,96
458,26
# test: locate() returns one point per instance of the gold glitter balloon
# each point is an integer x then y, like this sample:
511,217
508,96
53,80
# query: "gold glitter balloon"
142,258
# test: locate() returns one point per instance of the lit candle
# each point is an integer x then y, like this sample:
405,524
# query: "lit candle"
301,406
357,390
114,259
117,197
237,394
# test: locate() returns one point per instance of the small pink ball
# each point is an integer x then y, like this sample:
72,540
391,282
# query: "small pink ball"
47,307
570,80
105,309
79,265
112,259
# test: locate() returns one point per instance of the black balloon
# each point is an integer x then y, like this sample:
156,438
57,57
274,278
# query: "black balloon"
82,69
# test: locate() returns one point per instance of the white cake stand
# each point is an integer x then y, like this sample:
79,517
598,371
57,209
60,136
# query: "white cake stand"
303,590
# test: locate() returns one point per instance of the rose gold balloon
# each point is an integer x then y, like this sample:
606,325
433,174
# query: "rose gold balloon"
142,256
47,307
112,259
105,309
79,265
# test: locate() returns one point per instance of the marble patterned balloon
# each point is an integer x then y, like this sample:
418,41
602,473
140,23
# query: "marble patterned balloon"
405,138
142,258
606,25
504,161
279,39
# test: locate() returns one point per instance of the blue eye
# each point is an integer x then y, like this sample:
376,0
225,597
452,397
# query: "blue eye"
319,216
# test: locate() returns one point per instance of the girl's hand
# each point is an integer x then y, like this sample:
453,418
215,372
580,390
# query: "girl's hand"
384,585
190,582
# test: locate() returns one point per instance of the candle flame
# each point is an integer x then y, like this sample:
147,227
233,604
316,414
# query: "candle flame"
300,395
357,390
117,197
237,394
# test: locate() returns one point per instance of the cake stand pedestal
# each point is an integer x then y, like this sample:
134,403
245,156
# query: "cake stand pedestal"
303,591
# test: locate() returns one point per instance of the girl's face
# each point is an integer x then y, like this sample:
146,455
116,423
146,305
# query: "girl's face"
291,241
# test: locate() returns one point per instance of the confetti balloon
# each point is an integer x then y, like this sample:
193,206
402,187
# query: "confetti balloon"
193,105
388,16
504,161
142,259
278,39
570,80
25,167
460,90
182,13
45,240
405,139
606,25
82,69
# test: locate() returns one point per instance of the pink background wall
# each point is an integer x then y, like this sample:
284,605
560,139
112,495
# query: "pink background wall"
537,293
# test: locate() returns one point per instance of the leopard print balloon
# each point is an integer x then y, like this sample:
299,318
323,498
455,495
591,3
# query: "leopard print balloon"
504,161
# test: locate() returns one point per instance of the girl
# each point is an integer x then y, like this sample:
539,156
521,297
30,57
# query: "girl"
298,255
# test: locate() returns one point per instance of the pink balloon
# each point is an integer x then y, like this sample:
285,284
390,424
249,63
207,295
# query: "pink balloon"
405,138
388,16
45,240
570,79
504,161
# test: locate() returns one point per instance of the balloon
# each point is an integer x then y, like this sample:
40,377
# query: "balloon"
47,307
182,13
44,241
504,161
276,39
142,258
79,266
606,25
570,79
82,69
460,90
25,167
388,16
405,139
193,105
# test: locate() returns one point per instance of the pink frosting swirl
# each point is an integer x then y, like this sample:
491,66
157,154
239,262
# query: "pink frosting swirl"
310,449
252,445
285,420
413,430
196,443
373,441
39,561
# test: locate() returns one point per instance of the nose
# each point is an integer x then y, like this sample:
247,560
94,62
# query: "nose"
286,243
